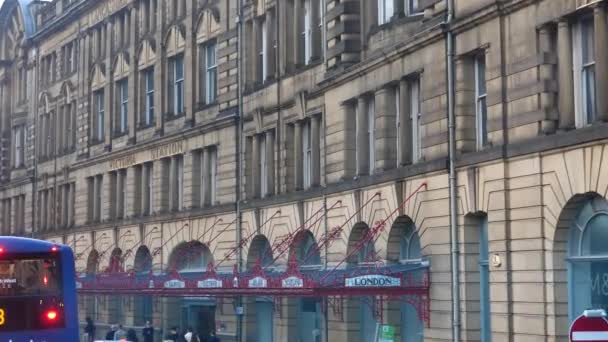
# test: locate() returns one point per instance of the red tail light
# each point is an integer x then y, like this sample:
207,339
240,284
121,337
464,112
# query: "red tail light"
51,315
54,249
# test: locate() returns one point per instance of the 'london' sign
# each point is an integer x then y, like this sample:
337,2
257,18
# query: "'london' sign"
373,280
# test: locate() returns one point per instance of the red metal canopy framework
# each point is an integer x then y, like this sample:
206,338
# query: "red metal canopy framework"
375,278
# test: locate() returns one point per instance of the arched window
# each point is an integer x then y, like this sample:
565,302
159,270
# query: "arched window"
190,257
588,258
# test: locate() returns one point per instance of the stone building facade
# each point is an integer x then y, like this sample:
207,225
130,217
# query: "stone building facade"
140,130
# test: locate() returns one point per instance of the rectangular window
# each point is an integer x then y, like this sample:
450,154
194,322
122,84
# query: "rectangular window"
114,191
307,34
385,11
208,165
149,96
98,197
263,50
100,117
19,134
371,137
210,72
263,165
123,105
121,193
213,175
307,154
584,76
90,199
176,185
415,120
411,7
178,85
481,110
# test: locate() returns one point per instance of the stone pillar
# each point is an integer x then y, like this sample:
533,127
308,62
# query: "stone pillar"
255,164
386,127
362,143
405,124
315,122
565,76
133,76
349,115
71,202
109,96
298,16
601,61
206,172
298,156
270,169
270,43
190,64
172,182
159,73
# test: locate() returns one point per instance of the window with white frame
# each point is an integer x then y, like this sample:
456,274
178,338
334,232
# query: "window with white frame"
122,88
263,50
481,110
210,65
371,136
19,146
411,7
385,11
415,112
100,115
263,165
307,32
176,88
149,96
584,71
307,153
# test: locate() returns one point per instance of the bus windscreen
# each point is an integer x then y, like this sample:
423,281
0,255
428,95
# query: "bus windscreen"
30,276
30,293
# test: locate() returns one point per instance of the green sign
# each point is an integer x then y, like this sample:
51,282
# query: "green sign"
387,333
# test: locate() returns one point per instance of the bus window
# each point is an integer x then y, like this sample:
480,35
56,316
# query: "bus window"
29,277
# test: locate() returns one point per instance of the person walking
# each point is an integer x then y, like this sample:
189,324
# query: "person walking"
188,335
89,329
111,333
148,332
213,337
132,336
120,333
172,335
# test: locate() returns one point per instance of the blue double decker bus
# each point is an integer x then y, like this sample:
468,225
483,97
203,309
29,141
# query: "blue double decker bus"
37,291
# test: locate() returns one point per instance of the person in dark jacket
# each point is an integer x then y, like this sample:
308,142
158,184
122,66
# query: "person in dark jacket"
213,337
173,335
132,336
89,329
110,334
148,332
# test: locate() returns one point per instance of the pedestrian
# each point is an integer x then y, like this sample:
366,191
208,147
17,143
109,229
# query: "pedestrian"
111,333
132,336
188,335
195,338
213,337
89,329
120,333
148,332
172,335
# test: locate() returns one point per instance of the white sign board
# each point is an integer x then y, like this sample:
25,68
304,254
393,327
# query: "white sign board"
373,280
209,284
293,283
258,282
175,284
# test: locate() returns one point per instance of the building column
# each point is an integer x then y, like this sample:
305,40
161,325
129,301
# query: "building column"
386,127
190,54
362,144
172,182
133,76
547,71
206,179
601,61
109,96
270,43
298,156
349,162
405,124
315,122
255,164
565,76
159,71
270,169
144,194
71,202
298,16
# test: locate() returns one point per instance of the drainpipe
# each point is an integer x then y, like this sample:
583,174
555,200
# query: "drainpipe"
455,252
239,164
